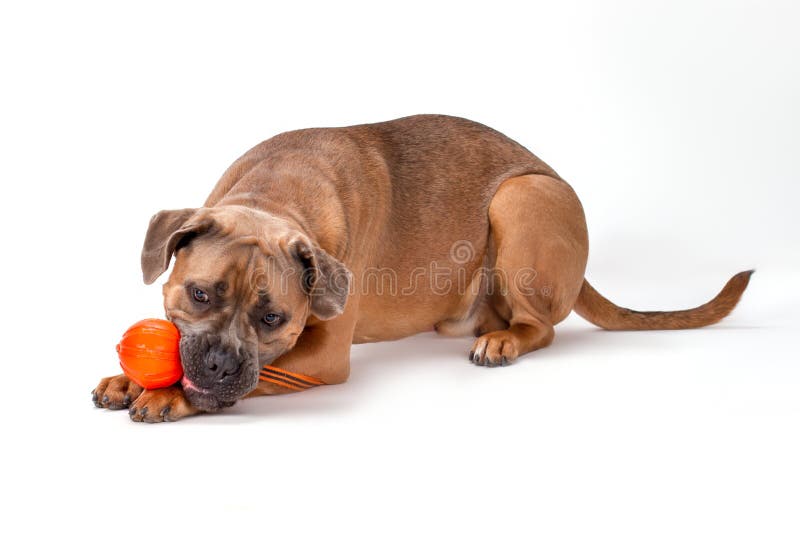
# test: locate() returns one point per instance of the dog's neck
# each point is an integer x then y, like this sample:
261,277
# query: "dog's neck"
271,214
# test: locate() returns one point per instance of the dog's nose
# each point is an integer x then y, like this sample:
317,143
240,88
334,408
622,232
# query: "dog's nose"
220,364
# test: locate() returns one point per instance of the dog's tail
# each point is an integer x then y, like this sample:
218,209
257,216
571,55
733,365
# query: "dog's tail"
600,311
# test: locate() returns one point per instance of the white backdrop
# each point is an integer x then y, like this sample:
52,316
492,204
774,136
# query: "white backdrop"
677,124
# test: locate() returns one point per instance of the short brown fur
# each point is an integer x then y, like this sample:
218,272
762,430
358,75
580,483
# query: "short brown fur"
389,199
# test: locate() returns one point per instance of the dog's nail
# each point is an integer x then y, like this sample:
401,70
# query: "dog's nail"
132,411
164,411
143,411
471,355
504,361
105,399
94,396
126,400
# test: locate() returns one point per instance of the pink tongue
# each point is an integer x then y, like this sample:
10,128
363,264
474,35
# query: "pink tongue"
186,383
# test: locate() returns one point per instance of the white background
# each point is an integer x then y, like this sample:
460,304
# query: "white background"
677,124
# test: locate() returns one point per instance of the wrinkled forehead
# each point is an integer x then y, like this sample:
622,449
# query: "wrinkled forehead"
245,265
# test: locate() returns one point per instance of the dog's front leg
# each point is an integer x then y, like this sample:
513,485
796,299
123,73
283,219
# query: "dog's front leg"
322,352
148,405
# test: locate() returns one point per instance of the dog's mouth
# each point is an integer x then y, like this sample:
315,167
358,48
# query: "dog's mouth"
214,397
203,398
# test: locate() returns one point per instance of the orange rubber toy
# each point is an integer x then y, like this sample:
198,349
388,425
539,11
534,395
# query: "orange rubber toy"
149,353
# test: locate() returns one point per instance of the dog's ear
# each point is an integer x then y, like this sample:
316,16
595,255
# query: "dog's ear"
326,280
167,230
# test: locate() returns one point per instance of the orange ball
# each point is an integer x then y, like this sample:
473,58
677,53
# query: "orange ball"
149,353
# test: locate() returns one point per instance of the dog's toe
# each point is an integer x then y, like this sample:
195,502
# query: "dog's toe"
495,349
161,405
115,392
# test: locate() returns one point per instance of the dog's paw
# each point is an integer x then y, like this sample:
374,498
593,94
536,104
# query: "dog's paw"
160,405
116,392
495,348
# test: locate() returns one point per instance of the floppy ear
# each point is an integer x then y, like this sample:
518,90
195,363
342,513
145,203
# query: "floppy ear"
324,278
167,229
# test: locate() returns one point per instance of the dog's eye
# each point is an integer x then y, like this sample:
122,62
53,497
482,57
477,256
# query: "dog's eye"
272,319
199,295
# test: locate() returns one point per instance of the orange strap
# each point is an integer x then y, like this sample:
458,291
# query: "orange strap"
294,381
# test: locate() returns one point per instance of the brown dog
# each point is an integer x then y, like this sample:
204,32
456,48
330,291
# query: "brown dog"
319,238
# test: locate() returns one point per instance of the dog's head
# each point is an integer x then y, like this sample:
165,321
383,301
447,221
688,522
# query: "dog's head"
242,288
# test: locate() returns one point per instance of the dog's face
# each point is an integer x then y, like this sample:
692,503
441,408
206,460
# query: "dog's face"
243,286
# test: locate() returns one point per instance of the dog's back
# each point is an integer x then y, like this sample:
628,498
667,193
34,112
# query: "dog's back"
431,171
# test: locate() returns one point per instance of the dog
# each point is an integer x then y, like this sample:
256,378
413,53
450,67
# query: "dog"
319,238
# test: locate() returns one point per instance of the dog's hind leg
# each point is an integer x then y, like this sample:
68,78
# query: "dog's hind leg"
539,231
